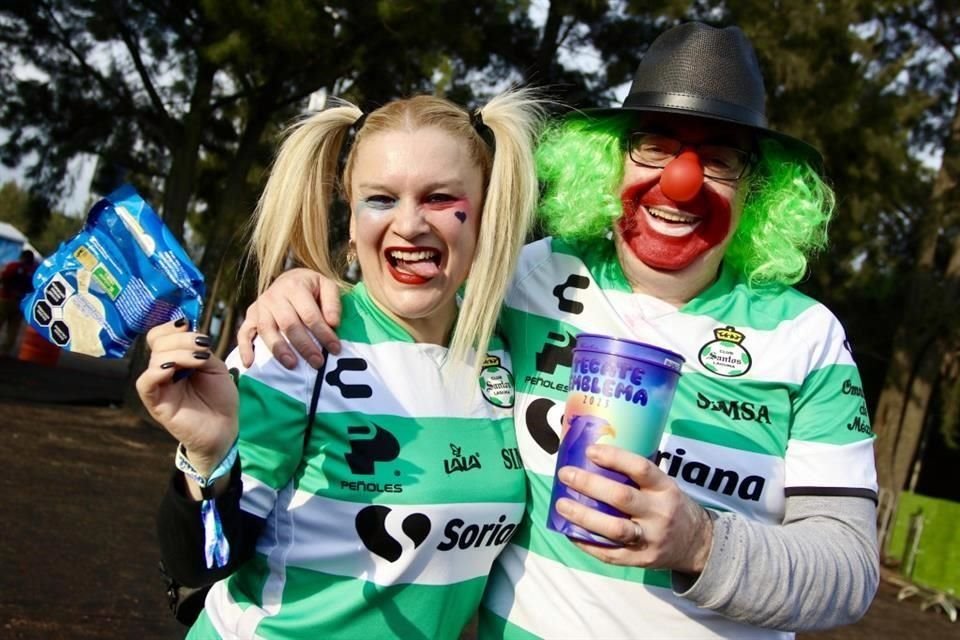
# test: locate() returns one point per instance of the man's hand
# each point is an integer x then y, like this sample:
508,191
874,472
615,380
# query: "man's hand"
664,528
300,302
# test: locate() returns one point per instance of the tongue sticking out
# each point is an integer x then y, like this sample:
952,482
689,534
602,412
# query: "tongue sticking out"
422,268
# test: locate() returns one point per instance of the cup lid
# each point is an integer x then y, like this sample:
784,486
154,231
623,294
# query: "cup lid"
625,348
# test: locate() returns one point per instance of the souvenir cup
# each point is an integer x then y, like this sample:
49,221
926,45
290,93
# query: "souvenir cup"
620,394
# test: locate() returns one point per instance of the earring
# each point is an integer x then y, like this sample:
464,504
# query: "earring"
352,273
351,252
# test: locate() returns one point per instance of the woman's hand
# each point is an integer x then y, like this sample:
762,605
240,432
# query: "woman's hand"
298,303
200,410
664,528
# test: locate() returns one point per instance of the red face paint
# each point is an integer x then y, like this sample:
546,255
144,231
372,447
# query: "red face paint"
661,243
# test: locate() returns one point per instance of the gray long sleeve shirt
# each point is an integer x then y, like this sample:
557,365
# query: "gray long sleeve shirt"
818,569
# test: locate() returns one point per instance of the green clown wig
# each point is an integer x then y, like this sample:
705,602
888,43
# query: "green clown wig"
784,220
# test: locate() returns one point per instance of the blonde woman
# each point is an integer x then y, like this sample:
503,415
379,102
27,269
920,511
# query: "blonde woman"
368,499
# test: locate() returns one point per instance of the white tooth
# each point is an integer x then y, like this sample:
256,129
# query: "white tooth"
672,224
412,256
672,216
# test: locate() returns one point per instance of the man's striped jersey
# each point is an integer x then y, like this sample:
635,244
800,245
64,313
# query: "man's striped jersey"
769,405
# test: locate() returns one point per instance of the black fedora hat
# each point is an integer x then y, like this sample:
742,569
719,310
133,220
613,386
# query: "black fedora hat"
698,70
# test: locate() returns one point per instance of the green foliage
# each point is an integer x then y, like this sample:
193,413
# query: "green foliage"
59,228
16,209
13,205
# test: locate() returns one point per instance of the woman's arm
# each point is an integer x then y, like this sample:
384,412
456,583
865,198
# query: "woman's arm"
181,535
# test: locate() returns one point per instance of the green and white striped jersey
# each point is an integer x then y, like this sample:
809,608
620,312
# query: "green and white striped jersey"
769,405
387,523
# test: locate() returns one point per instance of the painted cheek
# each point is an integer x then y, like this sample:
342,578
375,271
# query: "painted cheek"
459,209
375,208
669,252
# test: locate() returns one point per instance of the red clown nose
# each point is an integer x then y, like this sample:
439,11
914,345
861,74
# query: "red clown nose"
682,177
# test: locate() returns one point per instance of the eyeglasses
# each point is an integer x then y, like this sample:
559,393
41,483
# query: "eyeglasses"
719,162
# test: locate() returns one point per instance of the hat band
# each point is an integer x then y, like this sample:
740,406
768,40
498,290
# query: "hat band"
706,107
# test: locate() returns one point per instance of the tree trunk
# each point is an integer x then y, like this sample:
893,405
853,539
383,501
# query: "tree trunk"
178,189
541,72
902,406
227,331
179,184
238,200
922,340
213,295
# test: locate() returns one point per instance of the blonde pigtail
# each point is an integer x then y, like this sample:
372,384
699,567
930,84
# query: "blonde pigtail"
292,216
515,119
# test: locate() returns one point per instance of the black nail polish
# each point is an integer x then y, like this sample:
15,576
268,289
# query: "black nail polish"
202,341
201,355
167,365
180,322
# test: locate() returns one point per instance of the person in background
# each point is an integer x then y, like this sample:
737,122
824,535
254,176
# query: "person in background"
365,500
679,219
16,281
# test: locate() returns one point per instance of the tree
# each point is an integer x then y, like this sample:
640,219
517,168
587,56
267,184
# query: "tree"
927,344
15,208
158,90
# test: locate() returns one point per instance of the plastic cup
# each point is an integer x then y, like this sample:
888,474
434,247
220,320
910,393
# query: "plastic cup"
620,394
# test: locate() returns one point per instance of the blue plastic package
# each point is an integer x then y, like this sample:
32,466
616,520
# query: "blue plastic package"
122,274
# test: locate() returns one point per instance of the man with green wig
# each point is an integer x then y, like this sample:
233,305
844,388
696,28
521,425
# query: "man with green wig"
679,219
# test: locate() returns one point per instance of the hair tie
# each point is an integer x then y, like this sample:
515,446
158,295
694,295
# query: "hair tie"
485,132
358,123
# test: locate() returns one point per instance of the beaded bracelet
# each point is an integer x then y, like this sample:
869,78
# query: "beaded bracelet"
216,548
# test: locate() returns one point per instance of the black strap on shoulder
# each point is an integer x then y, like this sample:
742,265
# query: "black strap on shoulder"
314,399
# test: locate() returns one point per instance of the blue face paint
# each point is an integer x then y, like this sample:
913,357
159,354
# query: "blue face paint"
461,216
378,203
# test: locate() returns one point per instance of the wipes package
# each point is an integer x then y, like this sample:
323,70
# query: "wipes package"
122,274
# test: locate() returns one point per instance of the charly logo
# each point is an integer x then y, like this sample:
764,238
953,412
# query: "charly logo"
460,462
736,409
725,481
569,305
371,527
347,390
725,356
496,383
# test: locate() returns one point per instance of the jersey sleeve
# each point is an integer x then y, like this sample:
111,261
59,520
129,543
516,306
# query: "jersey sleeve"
830,446
273,418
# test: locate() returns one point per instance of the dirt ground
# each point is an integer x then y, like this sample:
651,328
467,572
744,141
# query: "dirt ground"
81,481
